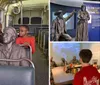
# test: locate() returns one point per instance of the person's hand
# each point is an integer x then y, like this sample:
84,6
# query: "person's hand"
75,11
26,44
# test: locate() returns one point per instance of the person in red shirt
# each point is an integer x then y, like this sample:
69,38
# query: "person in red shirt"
25,39
88,75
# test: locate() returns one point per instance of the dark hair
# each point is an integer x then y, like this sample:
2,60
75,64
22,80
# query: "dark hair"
85,55
58,12
25,26
83,6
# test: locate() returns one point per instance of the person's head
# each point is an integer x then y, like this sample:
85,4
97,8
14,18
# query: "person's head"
74,58
62,59
10,35
85,55
24,29
83,8
59,14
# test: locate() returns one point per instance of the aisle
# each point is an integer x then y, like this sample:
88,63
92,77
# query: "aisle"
41,68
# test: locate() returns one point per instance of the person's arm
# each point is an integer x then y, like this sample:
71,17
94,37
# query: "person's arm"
18,41
98,74
32,44
88,16
67,18
99,78
65,30
53,29
77,80
79,15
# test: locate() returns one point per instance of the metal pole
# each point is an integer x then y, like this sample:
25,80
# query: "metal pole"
21,12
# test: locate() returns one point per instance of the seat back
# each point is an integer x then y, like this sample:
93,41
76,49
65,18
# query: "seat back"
17,75
41,38
28,51
45,43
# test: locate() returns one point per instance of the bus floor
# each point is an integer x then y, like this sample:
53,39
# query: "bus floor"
41,67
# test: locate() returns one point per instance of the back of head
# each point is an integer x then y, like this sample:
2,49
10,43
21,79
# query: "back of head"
85,55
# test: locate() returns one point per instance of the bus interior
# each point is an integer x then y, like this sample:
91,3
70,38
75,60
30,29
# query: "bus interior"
34,14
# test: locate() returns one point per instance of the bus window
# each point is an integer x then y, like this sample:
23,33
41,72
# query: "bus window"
36,20
25,20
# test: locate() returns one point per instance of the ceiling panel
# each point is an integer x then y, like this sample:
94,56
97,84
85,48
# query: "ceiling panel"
35,3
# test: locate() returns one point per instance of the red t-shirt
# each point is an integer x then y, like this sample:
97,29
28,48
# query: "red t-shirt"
87,76
30,40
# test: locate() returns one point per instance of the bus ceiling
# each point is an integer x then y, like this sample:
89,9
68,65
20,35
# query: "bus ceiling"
26,3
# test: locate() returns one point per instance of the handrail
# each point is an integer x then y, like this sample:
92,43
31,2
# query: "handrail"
22,45
18,60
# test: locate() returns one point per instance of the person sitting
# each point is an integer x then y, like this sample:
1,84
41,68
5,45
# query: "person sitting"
26,39
52,63
74,61
1,34
63,62
10,50
88,75
59,27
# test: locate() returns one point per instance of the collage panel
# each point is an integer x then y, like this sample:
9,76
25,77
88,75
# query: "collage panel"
36,45
74,63
74,20
24,39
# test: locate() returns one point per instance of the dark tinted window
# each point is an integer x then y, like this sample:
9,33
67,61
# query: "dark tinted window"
25,20
36,20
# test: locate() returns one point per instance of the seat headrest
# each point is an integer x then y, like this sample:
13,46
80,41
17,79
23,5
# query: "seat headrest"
11,75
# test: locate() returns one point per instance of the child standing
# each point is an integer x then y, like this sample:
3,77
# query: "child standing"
88,75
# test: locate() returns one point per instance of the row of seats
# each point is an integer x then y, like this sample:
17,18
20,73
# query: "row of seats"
43,40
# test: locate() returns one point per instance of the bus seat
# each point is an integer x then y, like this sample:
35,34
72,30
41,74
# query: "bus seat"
45,43
28,51
41,37
17,75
